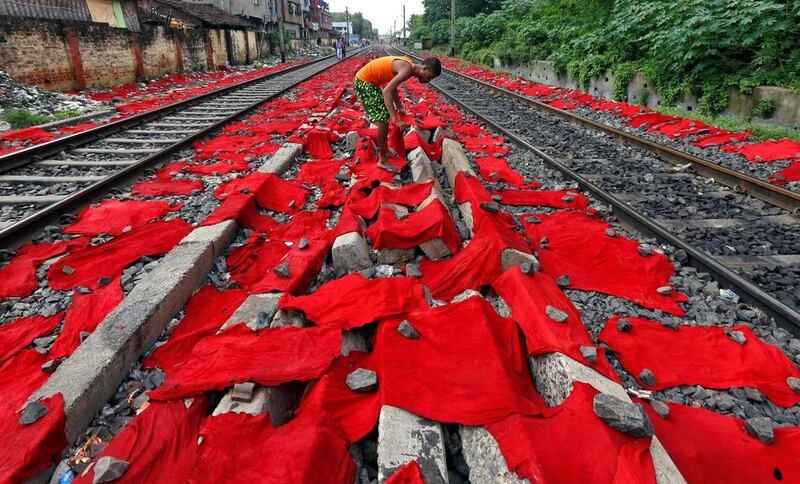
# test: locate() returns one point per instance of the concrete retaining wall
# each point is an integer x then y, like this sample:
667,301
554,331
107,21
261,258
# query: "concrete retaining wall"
787,103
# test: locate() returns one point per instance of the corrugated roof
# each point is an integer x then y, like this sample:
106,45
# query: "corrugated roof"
209,14
69,10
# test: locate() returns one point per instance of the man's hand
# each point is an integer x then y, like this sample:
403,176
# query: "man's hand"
401,125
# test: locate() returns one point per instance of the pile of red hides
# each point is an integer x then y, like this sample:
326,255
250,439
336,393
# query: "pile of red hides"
571,444
267,357
579,247
89,265
693,355
708,447
353,301
528,298
114,216
432,222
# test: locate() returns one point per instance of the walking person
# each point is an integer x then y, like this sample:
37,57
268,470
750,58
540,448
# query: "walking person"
338,48
383,105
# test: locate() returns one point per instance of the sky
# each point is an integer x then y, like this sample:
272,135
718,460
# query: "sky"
382,13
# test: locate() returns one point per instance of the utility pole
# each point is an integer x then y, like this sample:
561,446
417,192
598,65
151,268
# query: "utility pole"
453,27
348,30
404,22
280,31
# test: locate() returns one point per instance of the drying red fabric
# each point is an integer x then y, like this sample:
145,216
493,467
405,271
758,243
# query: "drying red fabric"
679,129
109,259
694,355
308,224
369,174
281,127
650,119
354,414
252,265
408,474
271,191
348,222
468,129
19,333
112,216
18,277
365,151
767,151
84,314
471,190
579,247
485,144
322,173
35,135
477,265
205,312
20,376
528,298
719,137
31,449
169,171
77,128
268,357
432,222
788,174
227,147
559,104
409,195
396,141
463,349
161,188
414,140
159,444
708,447
571,444
220,168
318,143
306,450
545,198
353,301
242,208
497,170
427,122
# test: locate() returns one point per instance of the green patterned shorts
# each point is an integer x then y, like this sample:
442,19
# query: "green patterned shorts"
371,97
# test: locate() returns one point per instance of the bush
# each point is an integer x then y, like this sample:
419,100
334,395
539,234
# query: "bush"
765,108
22,118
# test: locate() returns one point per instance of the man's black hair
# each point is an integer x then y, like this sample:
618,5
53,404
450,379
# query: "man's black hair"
433,65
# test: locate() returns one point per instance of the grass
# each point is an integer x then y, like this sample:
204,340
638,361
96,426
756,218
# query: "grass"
760,130
20,118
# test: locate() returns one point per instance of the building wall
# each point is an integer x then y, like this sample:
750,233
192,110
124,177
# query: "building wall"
27,53
43,53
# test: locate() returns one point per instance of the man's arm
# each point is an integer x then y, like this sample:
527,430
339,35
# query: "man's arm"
390,91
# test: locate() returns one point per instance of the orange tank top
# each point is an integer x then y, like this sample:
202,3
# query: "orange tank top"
379,71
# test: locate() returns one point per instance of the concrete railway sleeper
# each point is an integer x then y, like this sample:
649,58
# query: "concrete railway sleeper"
432,379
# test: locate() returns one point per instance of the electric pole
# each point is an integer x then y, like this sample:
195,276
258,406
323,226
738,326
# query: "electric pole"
452,27
348,30
404,23
280,31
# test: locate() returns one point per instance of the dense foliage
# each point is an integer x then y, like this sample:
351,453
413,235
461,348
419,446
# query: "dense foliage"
704,46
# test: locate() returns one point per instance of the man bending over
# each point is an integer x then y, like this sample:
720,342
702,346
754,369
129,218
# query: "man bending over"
384,105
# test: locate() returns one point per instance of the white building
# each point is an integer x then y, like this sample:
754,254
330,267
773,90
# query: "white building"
342,27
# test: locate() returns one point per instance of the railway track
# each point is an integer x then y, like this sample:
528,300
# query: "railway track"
42,182
745,236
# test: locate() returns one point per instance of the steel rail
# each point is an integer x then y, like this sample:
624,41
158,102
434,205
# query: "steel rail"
38,152
19,231
740,182
784,315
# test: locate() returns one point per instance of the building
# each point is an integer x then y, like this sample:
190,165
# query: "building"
342,28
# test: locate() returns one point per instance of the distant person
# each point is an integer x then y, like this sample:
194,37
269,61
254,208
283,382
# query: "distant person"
384,105
344,48
339,48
